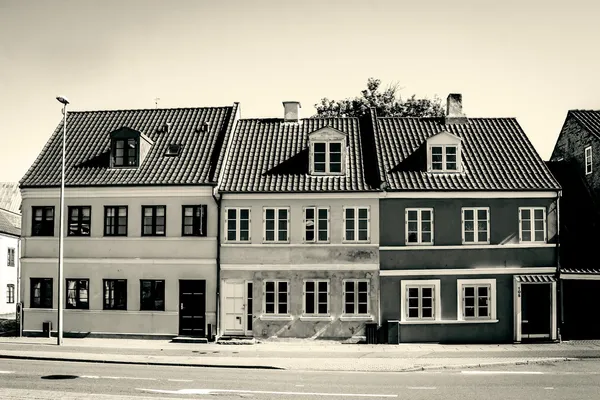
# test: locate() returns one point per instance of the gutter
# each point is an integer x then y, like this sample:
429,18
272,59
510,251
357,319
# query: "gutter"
218,260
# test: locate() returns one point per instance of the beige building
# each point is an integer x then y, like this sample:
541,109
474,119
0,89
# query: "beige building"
141,223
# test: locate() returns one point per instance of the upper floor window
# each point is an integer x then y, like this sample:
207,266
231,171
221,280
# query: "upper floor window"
316,224
356,224
532,224
79,220
41,293
444,153
443,158
153,223
419,225
194,220
237,223
476,225
78,294
10,261
276,224
588,160
42,222
327,157
115,221
125,152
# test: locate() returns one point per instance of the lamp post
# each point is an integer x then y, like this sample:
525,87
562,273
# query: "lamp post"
61,238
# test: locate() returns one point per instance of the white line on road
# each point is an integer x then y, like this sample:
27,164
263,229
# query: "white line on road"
549,388
117,377
7,372
213,391
501,372
421,387
180,380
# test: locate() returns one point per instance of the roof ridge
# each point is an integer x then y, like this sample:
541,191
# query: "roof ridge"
149,109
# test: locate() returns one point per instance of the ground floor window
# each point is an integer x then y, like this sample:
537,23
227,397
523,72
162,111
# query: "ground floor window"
477,299
41,293
277,295
115,294
356,296
152,295
78,294
420,300
10,293
249,305
316,297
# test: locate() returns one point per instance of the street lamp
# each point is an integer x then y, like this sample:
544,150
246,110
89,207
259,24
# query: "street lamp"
61,239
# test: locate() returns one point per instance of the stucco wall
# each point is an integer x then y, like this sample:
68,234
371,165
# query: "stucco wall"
8,275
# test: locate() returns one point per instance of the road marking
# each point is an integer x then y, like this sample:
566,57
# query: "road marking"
421,387
501,372
7,372
212,391
180,380
117,377
549,388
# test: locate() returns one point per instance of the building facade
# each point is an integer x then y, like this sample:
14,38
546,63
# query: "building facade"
10,231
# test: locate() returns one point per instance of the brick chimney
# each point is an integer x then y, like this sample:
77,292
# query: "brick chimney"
291,111
454,112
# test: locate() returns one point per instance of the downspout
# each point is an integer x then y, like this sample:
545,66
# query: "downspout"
560,283
218,260
20,303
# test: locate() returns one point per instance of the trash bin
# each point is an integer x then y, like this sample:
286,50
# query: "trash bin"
371,333
47,329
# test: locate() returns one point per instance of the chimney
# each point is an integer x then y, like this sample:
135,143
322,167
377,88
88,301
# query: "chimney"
454,112
291,111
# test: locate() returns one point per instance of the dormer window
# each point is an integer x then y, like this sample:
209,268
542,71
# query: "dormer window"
444,153
327,152
128,148
125,152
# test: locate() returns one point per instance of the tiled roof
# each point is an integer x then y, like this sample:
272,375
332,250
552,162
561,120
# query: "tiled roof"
590,119
88,148
10,196
496,155
270,155
580,271
10,223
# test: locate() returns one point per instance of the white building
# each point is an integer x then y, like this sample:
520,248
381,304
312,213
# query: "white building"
10,230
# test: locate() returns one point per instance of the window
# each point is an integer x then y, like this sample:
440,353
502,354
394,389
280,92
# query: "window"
532,224
316,224
277,297
419,226
153,222
249,303
115,294
476,225
10,294
316,297
10,262
276,224
79,220
42,223
420,300
41,293
444,158
237,223
115,221
152,295
477,299
356,297
78,294
125,152
194,221
588,160
356,222
327,157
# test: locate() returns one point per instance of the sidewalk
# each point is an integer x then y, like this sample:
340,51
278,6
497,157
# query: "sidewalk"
295,354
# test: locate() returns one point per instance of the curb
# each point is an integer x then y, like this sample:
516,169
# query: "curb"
153,363
491,364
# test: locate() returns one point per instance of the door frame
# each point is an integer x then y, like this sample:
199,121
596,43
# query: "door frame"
179,302
518,312
223,301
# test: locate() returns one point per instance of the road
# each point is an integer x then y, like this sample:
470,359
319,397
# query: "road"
26,379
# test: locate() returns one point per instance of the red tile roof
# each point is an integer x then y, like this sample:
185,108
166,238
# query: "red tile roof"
590,119
88,148
496,155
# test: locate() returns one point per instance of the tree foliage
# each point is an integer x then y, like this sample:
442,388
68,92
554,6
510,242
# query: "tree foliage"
387,103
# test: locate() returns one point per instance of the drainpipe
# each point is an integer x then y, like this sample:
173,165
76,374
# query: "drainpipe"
218,299
20,303
560,284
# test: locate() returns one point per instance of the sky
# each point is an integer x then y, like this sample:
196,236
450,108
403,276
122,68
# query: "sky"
533,60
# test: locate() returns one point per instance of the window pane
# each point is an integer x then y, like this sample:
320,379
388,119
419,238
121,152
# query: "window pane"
335,147
483,312
539,214
427,312
469,237
482,237
335,167
482,214
525,214
470,291
322,308
426,215
427,292
323,287
539,236
282,287
310,286
426,237
412,215
526,236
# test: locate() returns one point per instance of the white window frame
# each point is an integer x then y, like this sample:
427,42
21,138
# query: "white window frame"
444,158
316,298
588,160
356,224
419,242
327,144
355,282
420,283
461,284
237,224
276,311
316,224
532,213
276,227
475,224
11,257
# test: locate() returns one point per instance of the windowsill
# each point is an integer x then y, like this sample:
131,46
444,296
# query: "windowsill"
275,242
419,244
448,322
316,318
540,243
356,241
77,309
267,317
350,318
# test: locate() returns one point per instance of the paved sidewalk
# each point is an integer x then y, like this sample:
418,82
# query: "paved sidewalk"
295,354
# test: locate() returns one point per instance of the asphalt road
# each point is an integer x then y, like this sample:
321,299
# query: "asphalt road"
24,379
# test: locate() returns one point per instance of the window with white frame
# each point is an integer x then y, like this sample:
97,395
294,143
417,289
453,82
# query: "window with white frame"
237,223
277,295
10,259
476,225
316,224
588,160
356,224
477,299
327,157
316,297
276,224
419,225
420,300
444,158
356,296
532,224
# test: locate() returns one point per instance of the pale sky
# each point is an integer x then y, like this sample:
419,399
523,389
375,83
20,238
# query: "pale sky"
533,60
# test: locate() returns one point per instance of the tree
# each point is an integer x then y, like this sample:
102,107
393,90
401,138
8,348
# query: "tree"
387,103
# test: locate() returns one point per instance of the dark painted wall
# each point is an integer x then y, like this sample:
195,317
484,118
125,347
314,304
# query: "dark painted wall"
580,309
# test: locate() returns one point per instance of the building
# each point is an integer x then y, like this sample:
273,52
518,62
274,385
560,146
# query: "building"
10,230
140,223
575,164
300,227
468,231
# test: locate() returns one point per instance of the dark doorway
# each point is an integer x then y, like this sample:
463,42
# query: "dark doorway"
192,308
536,306
581,314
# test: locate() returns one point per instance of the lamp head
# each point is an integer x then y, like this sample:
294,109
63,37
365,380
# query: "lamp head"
63,100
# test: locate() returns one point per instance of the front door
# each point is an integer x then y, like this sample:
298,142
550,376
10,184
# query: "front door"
234,308
536,307
192,307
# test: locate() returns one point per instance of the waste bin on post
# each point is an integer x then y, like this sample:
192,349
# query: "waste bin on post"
47,328
371,332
